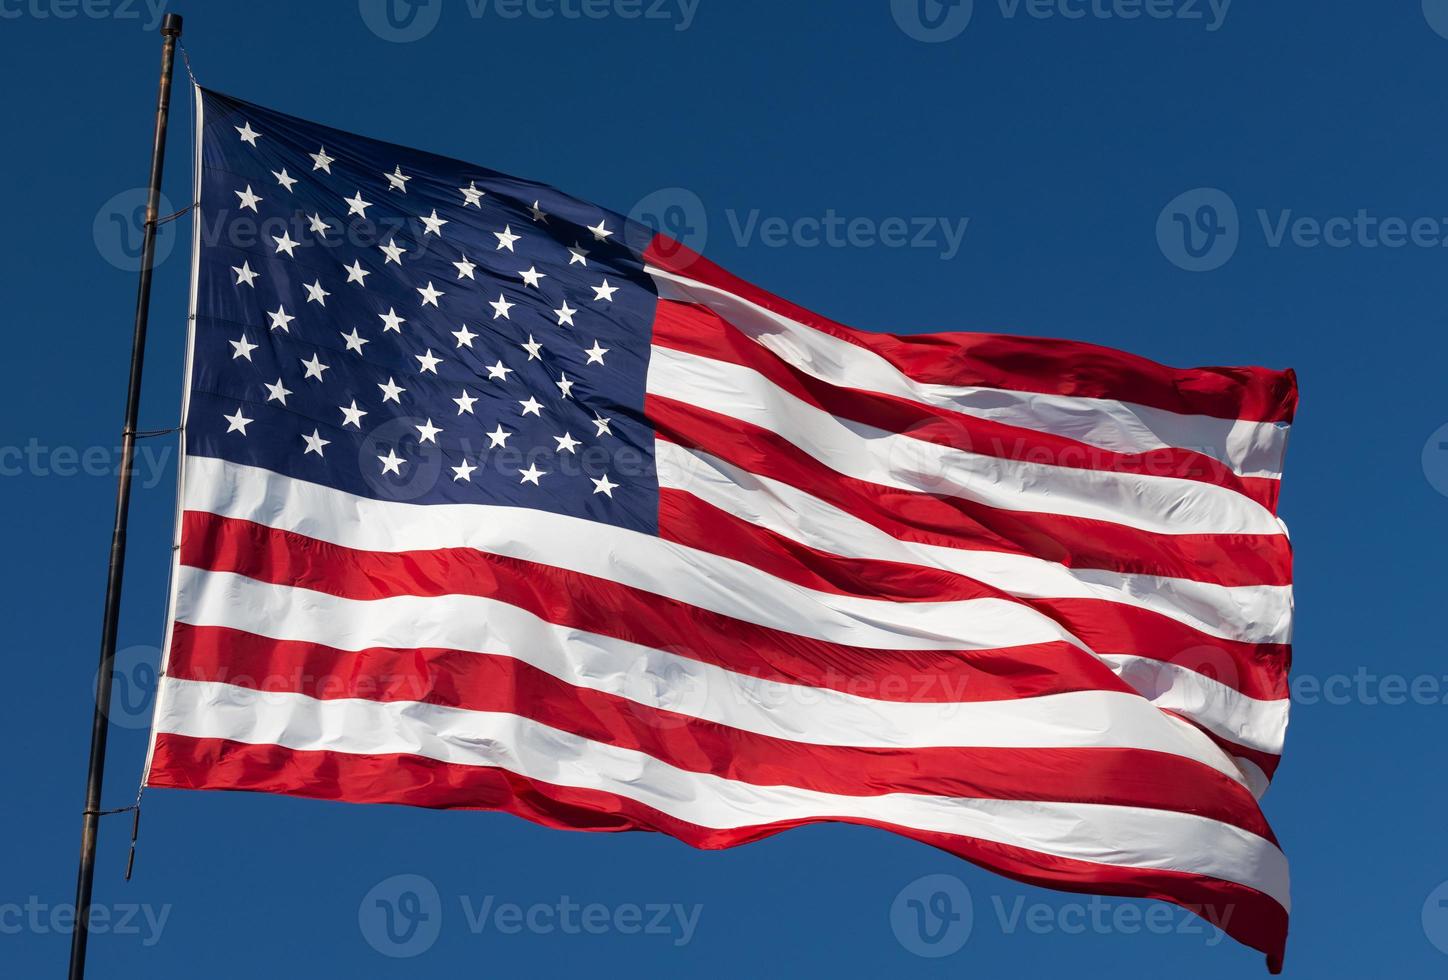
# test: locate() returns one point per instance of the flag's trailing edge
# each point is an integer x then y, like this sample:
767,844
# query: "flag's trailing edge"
494,499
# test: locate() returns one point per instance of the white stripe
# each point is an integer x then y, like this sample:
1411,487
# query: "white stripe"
1252,722
1162,505
642,561
660,679
1131,837
1249,448
1249,722
1248,613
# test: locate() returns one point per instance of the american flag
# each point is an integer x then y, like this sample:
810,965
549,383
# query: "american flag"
495,499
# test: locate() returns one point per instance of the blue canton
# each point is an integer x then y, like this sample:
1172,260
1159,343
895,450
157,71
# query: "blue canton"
408,327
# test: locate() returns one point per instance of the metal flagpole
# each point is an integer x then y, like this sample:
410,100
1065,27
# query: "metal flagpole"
100,721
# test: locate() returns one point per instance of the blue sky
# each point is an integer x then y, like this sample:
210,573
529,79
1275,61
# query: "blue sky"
1038,160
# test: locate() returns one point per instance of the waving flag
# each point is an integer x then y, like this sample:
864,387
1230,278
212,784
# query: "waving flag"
494,499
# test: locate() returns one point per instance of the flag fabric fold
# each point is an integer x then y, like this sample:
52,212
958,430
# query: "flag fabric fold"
492,498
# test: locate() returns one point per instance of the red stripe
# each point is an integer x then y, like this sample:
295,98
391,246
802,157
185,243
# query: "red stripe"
603,607
1056,367
953,522
498,683
1258,670
191,763
702,332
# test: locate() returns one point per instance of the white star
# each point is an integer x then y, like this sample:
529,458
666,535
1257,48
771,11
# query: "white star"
578,255
285,244
531,474
320,160
397,180
428,432
316,294
284,178
430,295
248,135
599,231
538,214
464,336
471,194
355,272
531,276
501,306
277,392
315,442
393,251
248,199
245,275
532,407
463,472
601,424
567,444
433,225
604,486
604,293
391,463
352,415
237,422
280,318
533,348
465,402
391,392
498,437
241,348
465,269
429,363
391,321
564,385
499,371
315,367
565,314
355,205
506,238
318,225
595,353
355,340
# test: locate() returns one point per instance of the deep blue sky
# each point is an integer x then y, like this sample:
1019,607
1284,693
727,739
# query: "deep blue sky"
1062,140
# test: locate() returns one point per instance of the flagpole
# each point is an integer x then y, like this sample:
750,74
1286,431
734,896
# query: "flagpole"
100,720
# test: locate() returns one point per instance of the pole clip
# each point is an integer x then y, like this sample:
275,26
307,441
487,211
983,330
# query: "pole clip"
135,810
150,433
172,216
